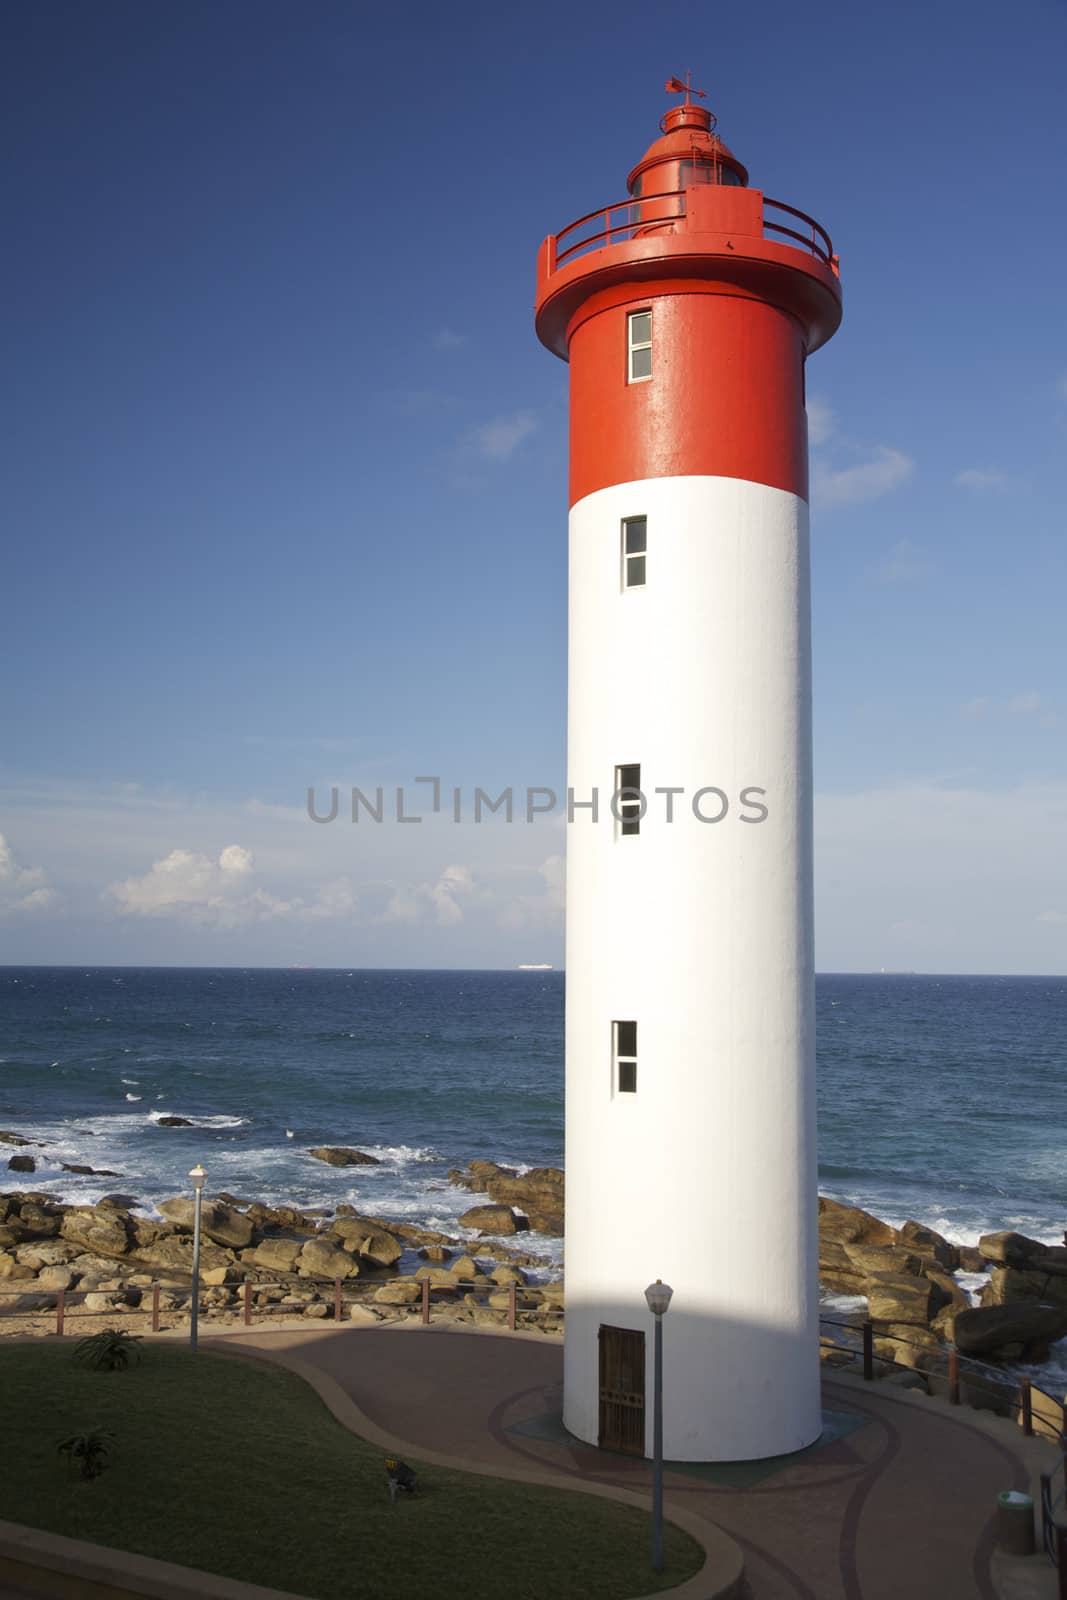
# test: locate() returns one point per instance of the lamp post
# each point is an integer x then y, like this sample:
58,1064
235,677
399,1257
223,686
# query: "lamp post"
658,1295
198,1175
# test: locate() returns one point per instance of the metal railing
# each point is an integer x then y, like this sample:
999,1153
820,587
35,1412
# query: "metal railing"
340,1293
643,216
980,1383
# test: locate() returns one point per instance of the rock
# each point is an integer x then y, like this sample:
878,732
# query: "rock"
927,1241
7,1265
214,1276
550,1222
836,1270
900,1297
971,1259
1012,1285
324,1260
98,1233
490,1169
541,1190
316,1308
467,1268
439,1277
909,1346
116,1202
55,1278
279,1218
46,1253
490,1219
1007,1330
850,1225
22,1164
88,1172
99,1302
551,1293
343,1156
43,1222
219,1222
145,1232
435,1252
173,1122
507,1274
401,1292
13,1138
276,1255
954,1297
869,1258
174,1253
1016,1250
364,1239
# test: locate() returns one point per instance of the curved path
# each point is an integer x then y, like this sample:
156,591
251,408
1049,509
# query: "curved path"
900,1506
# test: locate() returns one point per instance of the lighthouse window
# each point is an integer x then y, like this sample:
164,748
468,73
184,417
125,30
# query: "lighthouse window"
624,1050
639,334
634,544
629,801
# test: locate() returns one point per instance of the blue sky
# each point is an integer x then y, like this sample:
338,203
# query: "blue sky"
286,467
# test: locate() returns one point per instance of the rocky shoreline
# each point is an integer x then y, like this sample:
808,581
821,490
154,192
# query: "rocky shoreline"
108,1254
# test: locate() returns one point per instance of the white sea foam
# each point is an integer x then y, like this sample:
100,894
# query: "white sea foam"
201,1122
134,1097
133,1081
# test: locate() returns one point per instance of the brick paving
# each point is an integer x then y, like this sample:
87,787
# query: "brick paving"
900,1507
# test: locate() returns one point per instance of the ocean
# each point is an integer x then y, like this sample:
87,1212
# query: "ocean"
940,1098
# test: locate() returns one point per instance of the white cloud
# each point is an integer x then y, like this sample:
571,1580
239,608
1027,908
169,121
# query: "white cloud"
438,901
820,422
1051,916
904,564
980,480
448,339
498,440
21,888
543,909
886,470
194,887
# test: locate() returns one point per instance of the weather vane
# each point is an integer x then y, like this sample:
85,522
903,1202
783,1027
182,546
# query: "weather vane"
676,86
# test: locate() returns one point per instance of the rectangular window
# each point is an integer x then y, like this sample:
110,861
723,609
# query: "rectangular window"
629,801
634,547
624,1054
639,346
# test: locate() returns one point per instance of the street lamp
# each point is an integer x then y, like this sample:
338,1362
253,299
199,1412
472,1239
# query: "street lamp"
198,1175
658,1296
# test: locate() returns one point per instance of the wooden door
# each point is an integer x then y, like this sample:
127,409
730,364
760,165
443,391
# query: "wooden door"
622,1390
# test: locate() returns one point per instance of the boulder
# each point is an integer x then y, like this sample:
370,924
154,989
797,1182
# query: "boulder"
279,1219
364,1239
96,1232
1012,1285
276,1255
540,1190
551,1293
316,1308
439,1277
508,1274
869,1258
927,1241
490,1169
47,1253
900,1297
97,1301
173,1122
490,1219
219,1222
174,1253
40,1221
336,1155
971,1259
7,1264
22,1164
55,1278
116,1202
435,1252
467,1268
550,1222
401,1292
909,1346
323,1260
850,1225
13,1138
836,1270
1016,1250
1009,1331
953,1296
88,1172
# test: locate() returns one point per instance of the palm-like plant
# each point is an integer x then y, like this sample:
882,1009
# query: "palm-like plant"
113,1350
89,1450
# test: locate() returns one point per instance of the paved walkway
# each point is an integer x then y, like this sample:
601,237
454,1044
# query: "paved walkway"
899,1507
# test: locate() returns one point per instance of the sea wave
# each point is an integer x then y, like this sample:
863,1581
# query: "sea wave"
201,1122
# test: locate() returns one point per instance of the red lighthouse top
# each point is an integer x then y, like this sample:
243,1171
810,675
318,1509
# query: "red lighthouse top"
691,215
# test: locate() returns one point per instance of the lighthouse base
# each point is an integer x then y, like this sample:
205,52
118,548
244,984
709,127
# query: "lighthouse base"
709,1413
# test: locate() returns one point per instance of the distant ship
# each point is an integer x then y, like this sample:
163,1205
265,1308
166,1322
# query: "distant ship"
535,966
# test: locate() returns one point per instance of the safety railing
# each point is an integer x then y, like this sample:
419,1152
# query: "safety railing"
245,1298
633,218
966,1379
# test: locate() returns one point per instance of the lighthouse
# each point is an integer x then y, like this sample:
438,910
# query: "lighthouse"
687,313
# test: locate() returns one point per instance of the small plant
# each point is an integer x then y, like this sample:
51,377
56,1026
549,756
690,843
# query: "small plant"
89,1450
110,1351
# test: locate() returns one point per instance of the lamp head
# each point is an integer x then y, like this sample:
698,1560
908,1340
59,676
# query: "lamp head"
658,1295
198,1175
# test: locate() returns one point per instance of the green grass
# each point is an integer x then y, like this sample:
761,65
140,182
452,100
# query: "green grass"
241,1470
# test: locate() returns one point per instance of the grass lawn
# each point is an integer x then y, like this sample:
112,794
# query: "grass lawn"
241,1470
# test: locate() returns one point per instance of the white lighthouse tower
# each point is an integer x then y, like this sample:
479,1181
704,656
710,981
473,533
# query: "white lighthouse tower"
686,314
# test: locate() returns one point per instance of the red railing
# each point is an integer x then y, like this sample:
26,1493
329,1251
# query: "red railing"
638,220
